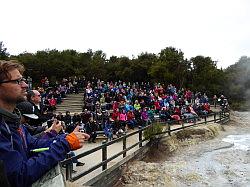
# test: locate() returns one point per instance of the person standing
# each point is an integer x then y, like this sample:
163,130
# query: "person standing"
215,100
29,80
21,168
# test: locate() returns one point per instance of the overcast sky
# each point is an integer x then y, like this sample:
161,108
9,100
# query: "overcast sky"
216,28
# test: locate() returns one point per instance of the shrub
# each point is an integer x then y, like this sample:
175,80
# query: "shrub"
151,131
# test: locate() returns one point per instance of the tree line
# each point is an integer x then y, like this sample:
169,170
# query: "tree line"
198,73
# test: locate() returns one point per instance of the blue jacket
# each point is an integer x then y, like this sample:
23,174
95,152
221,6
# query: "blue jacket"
23,168
108,128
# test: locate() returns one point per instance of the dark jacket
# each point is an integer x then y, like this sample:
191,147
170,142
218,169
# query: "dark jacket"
34,130
21,167
41,117
91,127
3,178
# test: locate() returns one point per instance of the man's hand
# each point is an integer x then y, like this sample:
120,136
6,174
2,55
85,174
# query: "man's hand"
76,138
80,135
57,126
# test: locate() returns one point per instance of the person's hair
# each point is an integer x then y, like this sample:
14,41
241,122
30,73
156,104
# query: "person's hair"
7,66
30,94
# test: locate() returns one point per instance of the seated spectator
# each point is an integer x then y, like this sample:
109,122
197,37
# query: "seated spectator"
145,117
137,105
108,130
91,128
177,111
157,106
131,119
123,119
58,97
52,104
128,106
165,114
176,118
85,116
60,116
76,118
206,107
190,114
27,111
67,118
115,106
199,109
151,114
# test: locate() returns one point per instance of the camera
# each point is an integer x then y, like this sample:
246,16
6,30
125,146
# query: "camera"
50,122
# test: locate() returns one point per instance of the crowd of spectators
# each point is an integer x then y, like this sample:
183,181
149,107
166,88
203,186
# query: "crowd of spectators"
115,107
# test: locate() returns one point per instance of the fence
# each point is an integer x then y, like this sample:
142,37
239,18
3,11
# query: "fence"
221,117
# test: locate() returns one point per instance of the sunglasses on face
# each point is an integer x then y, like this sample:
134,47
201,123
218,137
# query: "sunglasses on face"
16,81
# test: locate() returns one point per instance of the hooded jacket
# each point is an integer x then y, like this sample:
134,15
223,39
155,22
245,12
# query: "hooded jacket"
23,168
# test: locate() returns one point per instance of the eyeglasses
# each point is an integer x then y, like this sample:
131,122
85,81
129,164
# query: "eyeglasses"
16,81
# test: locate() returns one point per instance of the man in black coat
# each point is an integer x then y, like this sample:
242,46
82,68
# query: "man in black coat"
34,97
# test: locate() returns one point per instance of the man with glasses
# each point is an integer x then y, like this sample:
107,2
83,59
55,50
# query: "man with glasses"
34,97
16,145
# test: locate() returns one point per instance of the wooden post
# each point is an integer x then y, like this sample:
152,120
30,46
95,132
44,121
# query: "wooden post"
124,146
169,129
69,168
104,155
140,136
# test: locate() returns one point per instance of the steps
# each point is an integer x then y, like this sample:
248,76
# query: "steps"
72,103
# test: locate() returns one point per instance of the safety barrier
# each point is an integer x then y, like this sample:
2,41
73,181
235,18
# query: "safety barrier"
218,117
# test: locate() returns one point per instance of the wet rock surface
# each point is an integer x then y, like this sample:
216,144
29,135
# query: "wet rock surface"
198,157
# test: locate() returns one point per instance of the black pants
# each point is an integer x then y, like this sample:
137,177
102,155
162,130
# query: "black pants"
93,136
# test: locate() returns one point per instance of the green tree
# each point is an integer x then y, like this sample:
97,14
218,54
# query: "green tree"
97,67
205,75
171,67
4,55
141,66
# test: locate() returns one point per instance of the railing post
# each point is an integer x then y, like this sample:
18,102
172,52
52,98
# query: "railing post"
169,129
140,136
69,168
104,154
124,140
215,117
220,116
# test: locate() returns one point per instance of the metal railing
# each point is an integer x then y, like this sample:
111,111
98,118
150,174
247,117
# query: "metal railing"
217,117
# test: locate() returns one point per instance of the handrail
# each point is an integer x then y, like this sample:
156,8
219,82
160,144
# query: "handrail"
68,162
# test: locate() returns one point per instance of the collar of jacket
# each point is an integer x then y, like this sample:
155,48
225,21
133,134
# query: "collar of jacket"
12,118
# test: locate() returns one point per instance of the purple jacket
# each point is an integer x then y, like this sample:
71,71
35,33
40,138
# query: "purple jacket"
21,167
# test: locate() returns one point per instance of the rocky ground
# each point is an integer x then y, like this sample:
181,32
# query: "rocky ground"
197,157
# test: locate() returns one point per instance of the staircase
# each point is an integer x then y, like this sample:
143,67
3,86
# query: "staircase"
72,103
